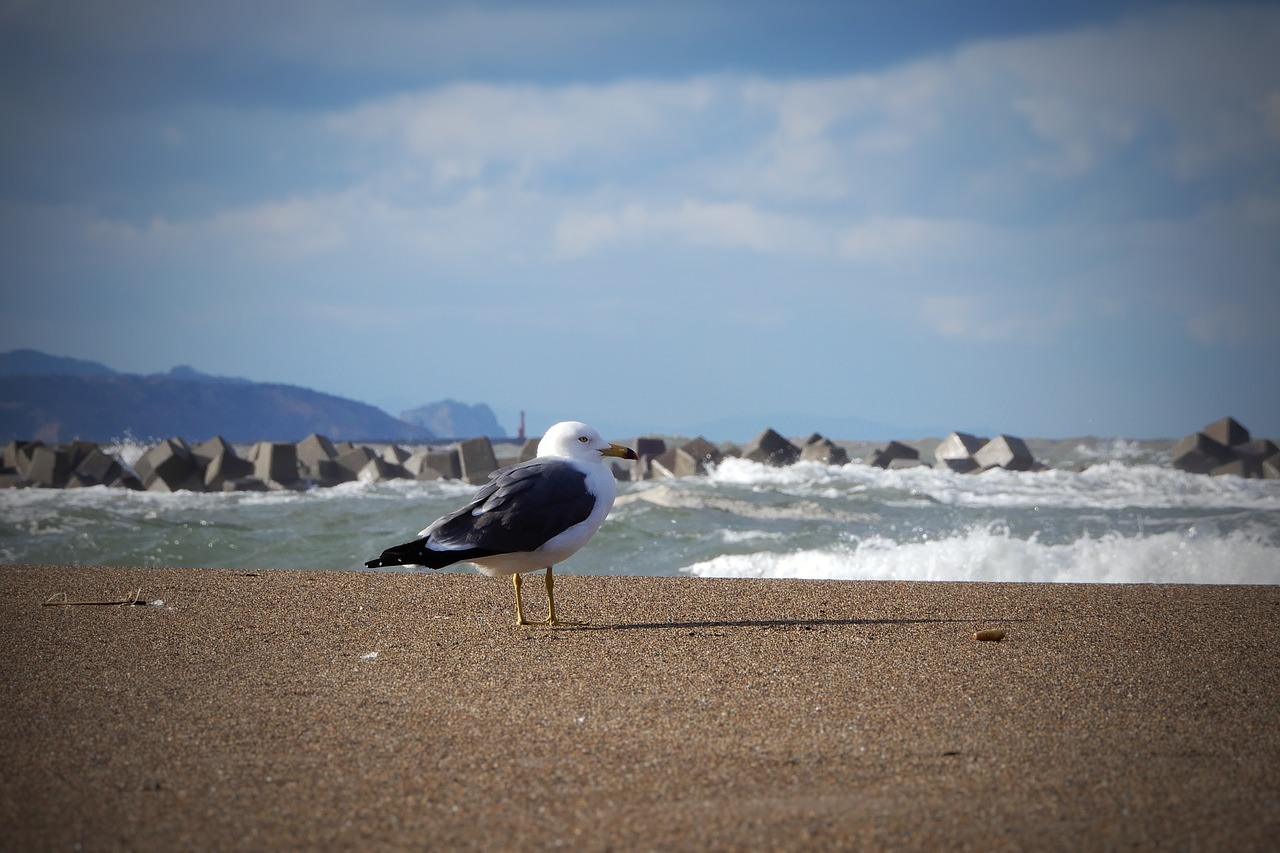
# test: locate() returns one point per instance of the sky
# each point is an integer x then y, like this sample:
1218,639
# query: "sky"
869,220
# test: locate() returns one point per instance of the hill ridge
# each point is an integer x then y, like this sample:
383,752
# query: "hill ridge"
57,399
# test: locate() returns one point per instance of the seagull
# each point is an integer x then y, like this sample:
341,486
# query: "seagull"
528,516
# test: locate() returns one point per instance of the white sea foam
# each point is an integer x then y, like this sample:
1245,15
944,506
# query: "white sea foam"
129,448
689,495
992,554
1113,522
744,472
1122,449
737,537
1110,485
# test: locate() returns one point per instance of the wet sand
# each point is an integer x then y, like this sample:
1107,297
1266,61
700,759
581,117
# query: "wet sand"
290,710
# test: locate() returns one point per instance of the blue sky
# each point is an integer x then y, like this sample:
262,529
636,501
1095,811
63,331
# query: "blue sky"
1041,219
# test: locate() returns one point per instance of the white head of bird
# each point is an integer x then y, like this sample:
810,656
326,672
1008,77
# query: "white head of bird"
576,440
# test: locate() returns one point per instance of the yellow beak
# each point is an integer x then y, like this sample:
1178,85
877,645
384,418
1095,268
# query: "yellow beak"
620,452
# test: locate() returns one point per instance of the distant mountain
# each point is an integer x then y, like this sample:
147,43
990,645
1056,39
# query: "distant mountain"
190,374
56,399
451,419
29,362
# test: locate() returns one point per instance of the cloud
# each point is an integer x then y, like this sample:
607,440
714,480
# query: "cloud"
282,230
1189,82
831,138
1184,93
1078,137
983,320
715,225
468,132
890,241
1132,163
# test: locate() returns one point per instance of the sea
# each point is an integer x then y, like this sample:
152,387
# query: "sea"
1110,511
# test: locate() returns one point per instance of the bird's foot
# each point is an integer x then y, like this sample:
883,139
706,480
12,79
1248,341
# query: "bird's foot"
550,622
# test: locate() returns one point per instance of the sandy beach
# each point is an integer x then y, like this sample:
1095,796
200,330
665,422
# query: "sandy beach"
322,710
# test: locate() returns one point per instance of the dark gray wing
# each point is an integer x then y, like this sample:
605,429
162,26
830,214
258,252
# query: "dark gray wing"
519,510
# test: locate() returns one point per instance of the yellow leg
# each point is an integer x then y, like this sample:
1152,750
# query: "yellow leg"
515,581
551,598
551,603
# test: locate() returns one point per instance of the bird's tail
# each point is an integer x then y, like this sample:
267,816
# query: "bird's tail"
416,553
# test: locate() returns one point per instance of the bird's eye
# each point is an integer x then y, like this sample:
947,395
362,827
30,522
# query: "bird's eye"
583,439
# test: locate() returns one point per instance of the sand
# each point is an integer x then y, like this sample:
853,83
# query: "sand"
295,710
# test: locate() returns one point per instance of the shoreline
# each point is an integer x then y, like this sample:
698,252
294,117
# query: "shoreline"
249,711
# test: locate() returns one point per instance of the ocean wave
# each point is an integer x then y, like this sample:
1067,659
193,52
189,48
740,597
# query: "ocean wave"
688,495
991,553
1108,485
1109,523
1118,449
29,517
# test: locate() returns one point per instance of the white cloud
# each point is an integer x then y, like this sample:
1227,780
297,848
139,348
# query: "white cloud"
718,225
1194,80
890,241
1193,89
821,134
947,182
1078,137
292,228
472,131
983,319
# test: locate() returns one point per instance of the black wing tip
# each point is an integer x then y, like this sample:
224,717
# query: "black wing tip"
416,553
399,555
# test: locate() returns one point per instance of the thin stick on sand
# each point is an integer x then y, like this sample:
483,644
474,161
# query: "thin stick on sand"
135,598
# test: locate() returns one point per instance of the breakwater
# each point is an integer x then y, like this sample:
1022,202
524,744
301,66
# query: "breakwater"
1223,447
